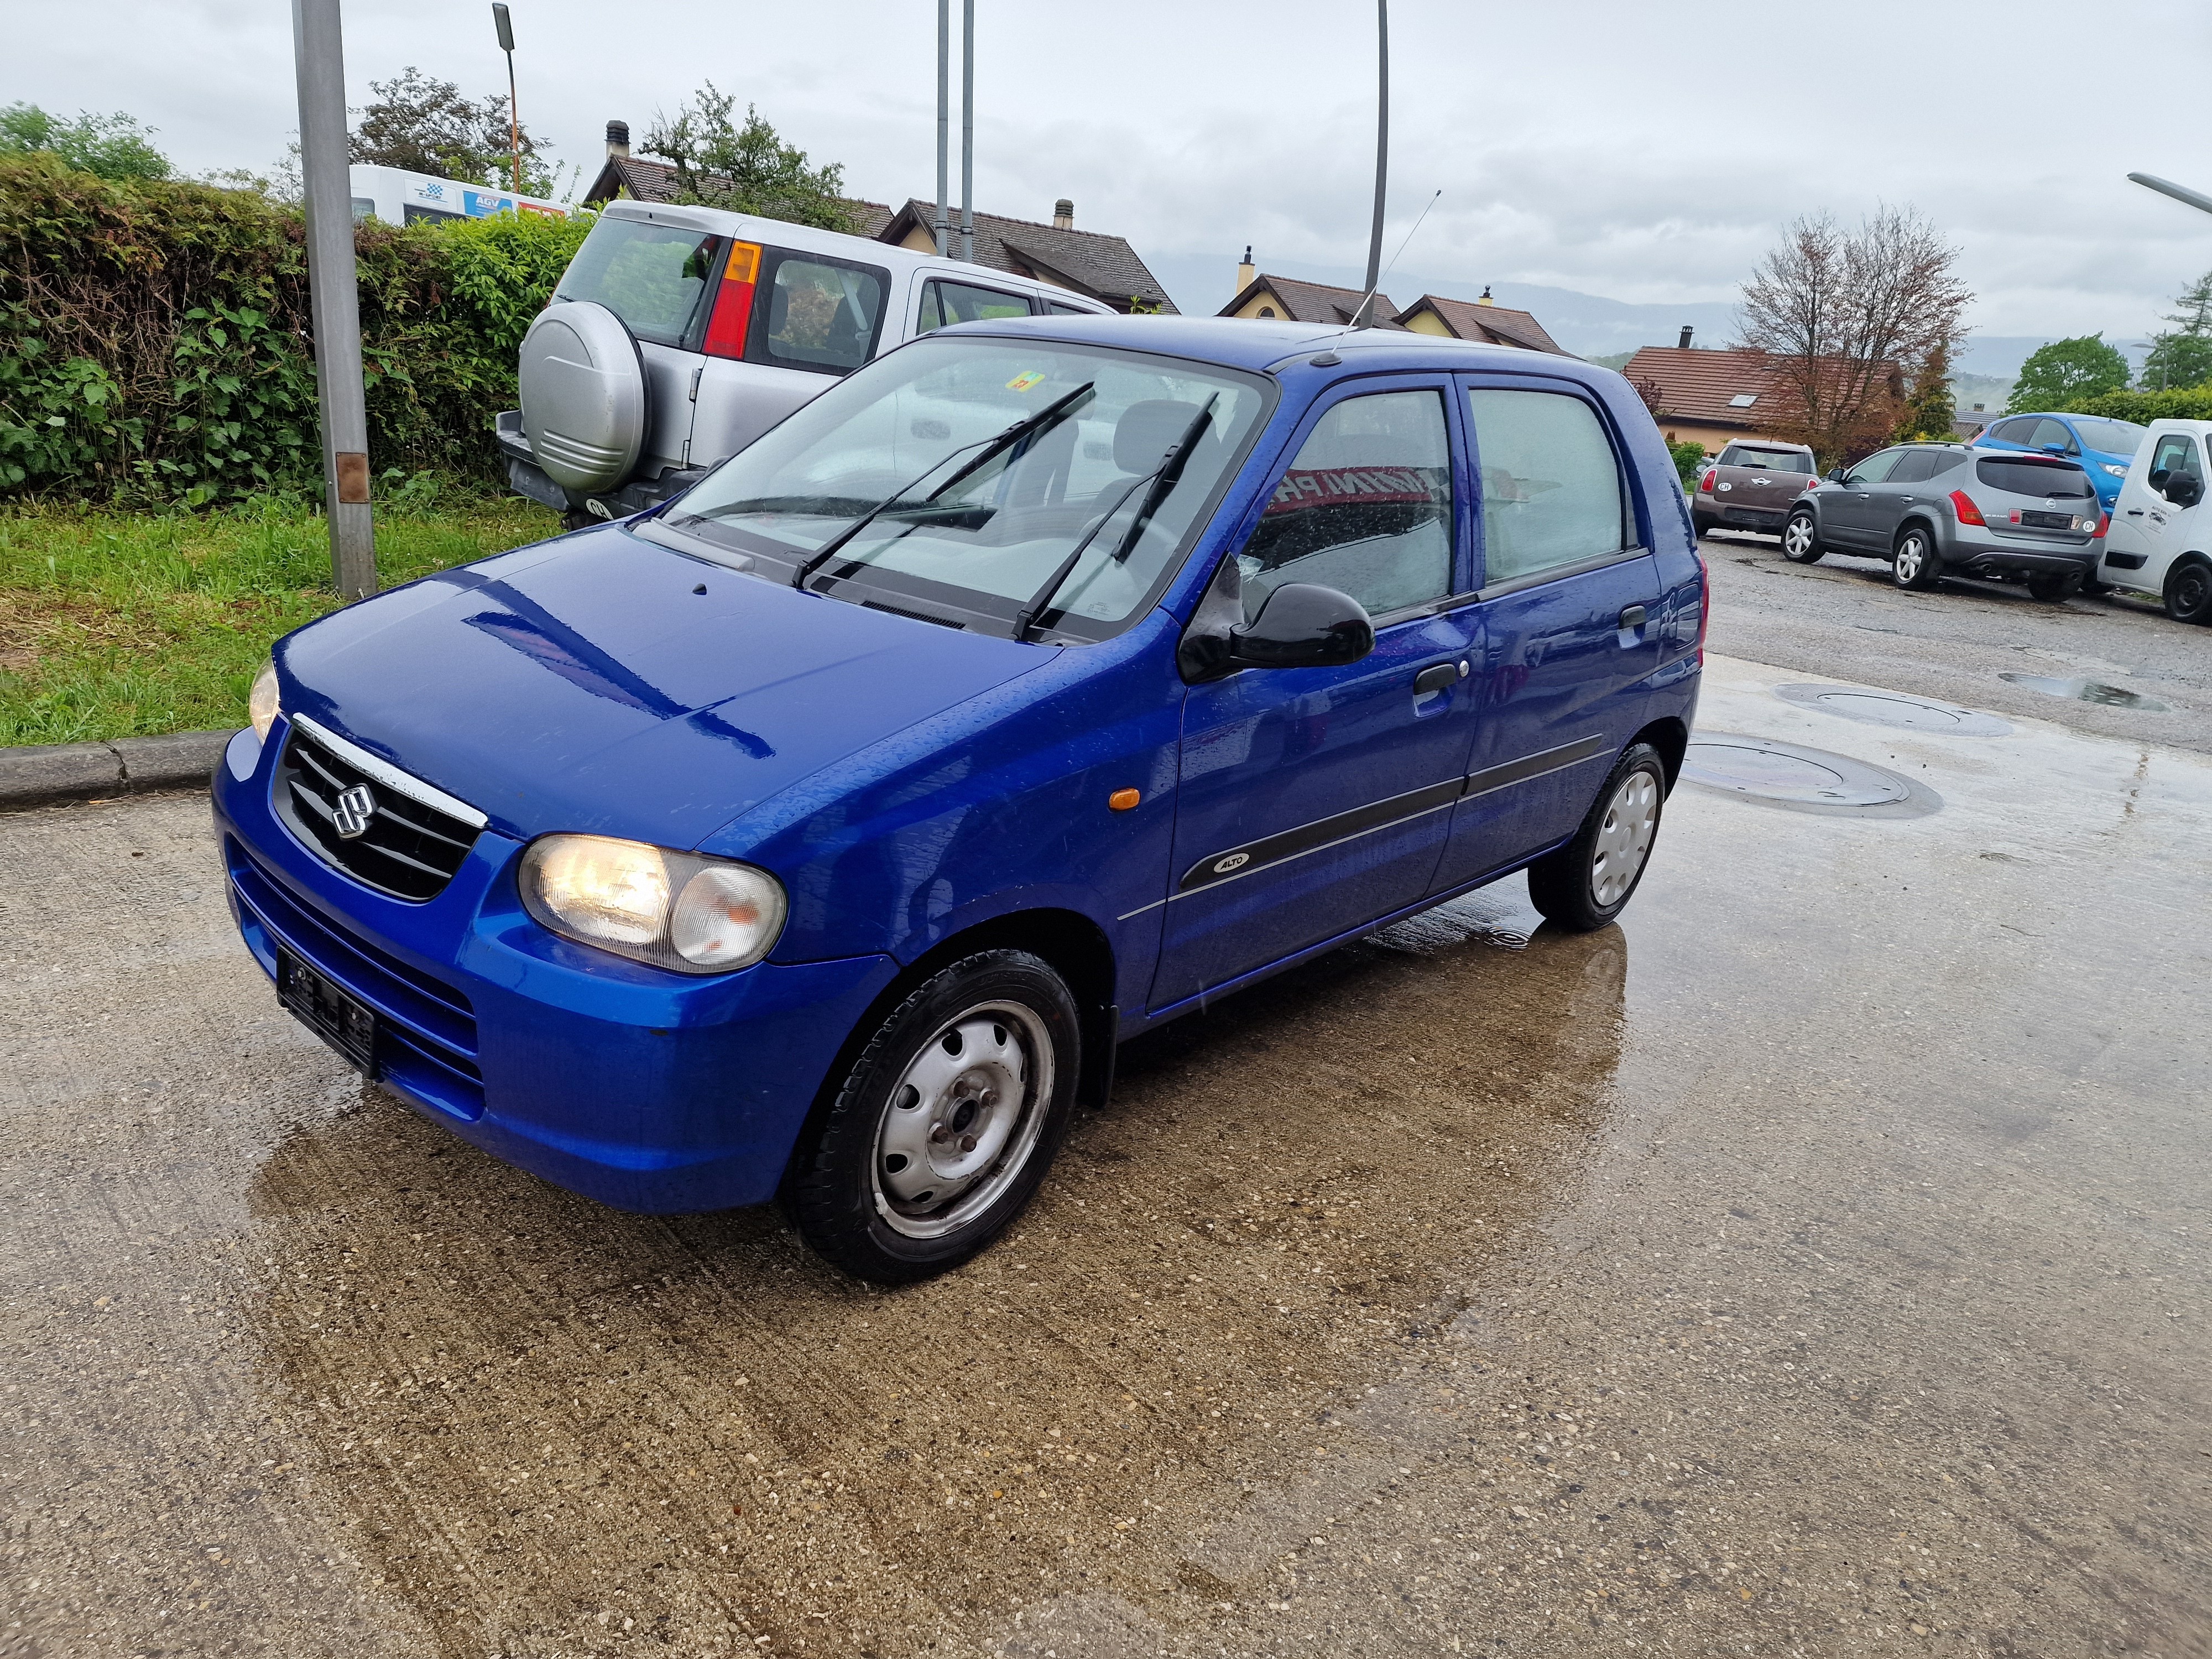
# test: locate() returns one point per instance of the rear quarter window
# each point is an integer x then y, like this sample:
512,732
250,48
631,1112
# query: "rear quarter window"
2025,478
816,312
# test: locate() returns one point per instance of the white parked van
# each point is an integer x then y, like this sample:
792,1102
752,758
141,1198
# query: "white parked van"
400,197
2160,540
679,335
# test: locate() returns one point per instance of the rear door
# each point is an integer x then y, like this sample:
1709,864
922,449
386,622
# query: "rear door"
1906,485
1312,800
1849,514
1569,620
2159,528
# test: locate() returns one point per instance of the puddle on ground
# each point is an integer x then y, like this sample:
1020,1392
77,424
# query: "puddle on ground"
2111,696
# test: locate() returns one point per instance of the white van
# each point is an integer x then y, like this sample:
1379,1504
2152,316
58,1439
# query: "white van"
400,197
679,335
2161,539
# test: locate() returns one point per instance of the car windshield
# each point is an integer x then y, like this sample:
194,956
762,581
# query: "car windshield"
965,535
2112,437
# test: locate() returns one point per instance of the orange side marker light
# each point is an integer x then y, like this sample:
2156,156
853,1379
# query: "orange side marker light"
1122,799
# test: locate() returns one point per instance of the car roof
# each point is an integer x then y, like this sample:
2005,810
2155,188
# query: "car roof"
1247,343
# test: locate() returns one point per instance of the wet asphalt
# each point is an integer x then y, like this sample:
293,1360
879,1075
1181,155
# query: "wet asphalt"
1813,1264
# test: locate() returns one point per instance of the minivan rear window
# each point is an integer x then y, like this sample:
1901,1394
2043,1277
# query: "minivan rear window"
654,278
2026,478
1766,460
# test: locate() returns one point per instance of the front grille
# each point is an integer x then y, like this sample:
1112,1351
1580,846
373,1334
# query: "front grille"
404,848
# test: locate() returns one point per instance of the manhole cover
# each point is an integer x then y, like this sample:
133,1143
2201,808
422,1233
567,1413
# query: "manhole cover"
1898,709
2088,691
1810,779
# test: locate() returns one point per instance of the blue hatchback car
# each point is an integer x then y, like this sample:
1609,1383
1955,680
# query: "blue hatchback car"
817,836
2104,447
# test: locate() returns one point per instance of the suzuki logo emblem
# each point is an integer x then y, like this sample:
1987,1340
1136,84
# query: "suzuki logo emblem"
1234,861
356,807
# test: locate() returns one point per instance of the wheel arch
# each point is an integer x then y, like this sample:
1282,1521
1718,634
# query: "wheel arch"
1075,947
1671,738
1919,521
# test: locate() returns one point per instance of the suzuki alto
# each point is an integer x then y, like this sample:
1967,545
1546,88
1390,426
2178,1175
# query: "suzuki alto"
817,836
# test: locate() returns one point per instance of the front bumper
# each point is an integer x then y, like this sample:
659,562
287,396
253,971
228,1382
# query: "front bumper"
643,1090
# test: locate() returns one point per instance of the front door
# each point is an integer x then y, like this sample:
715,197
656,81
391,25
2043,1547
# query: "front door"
1851,515
1312,800
2150,524
1570,623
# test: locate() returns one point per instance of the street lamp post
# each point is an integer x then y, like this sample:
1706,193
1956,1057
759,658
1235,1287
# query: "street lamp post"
968,130
505,25
2168,187
318,55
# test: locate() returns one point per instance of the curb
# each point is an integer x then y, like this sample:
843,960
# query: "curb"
46,774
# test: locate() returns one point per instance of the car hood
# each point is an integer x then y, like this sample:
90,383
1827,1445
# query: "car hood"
588,685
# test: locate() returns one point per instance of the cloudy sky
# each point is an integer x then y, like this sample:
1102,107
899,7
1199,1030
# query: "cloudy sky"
1642,152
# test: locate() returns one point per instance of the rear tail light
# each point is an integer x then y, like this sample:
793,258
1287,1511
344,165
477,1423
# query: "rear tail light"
1963,505
1705,484
2104,523
733,301
1704,605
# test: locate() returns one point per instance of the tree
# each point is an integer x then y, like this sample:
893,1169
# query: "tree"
2181,355
112,145
745,169
422,124
2061,374
1930,408
1845,322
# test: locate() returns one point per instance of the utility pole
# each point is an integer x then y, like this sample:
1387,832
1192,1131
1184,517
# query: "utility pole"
968,130
505,25
2168,187
318,54
1366,314
944,121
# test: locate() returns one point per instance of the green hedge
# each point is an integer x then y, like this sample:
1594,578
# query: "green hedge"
156,343
2183,403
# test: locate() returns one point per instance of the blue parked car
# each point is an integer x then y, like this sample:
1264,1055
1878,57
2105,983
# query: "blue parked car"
819,835
2104,447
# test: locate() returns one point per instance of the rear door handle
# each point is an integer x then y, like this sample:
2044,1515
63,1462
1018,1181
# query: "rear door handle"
1437,676
1633,617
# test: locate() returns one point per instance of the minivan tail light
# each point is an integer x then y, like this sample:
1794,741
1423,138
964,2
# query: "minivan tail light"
2104,523
1963,505
733,301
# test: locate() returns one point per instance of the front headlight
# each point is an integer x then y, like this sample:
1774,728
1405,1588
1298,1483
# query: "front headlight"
2117,471
697,915
261,710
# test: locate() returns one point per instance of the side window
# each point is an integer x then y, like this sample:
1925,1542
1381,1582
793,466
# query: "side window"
944,303
1551,487
1916,466
818,315
2013,432
1875,468
1366,507
1941,461
1060,310
2055,432
2176,452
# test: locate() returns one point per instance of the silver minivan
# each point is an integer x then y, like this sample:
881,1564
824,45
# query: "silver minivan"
679,335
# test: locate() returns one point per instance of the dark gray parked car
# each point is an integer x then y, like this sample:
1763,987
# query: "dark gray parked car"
1938,509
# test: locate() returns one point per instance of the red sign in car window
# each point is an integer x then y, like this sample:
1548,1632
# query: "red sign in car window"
1350,486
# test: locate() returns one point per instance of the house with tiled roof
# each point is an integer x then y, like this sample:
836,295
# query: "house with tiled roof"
1088,262
1709,396
1264,296
1484,321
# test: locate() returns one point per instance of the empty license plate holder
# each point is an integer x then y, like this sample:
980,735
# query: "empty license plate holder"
339,1018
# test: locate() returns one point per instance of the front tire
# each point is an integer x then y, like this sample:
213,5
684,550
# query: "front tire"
1800,540
1914,564
2189,592
945,1126
1589,881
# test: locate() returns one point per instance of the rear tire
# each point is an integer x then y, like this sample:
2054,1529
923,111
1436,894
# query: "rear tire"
945,1126
1913,566
1800,539
2189,591
1589,881
2050,588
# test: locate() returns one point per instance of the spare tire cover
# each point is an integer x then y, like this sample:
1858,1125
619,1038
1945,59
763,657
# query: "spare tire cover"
583,395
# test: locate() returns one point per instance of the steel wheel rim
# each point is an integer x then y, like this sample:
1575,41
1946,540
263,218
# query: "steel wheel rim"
960,1124
1909,558
1797,538
2189,589
1624,839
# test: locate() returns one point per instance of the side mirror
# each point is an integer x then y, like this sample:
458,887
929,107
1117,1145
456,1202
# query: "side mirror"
1304,625
2184,488
1835,474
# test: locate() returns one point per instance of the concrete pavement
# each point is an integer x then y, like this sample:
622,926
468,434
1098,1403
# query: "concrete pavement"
1813,1264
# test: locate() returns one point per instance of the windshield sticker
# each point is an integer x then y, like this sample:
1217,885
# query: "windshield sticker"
1028,382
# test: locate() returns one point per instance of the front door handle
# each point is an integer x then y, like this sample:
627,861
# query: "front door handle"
1437,676
2135,512
1633,617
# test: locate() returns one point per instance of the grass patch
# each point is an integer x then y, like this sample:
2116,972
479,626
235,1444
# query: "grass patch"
117,624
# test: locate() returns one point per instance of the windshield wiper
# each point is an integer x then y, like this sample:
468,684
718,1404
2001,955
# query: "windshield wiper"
1164,478
1050,415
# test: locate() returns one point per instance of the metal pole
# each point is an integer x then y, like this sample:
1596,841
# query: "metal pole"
968,130
944,121
2168,187
1381,160
318,51
505,25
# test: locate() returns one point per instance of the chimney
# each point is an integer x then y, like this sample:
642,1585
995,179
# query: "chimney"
1683,344
1978,410
1245,273
618,140
1486,299
1063,214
